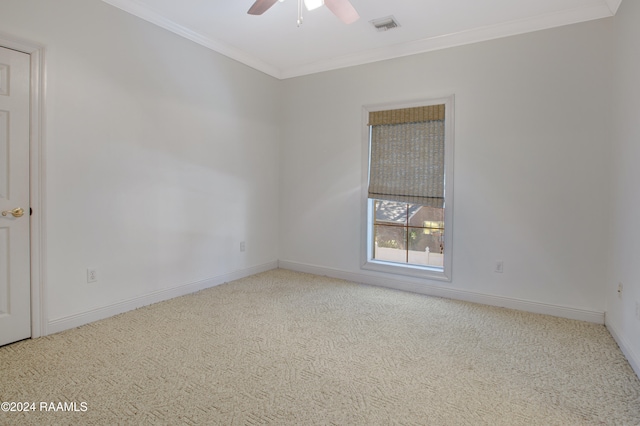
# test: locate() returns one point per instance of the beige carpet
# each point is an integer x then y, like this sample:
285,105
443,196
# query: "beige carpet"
289,348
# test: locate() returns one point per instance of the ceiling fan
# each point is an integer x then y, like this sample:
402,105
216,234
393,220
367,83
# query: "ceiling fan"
341,8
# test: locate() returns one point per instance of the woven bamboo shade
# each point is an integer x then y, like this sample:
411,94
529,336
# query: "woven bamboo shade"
407,115
407,159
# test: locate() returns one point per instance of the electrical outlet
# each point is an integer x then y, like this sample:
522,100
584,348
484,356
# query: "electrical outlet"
620,288
638,310
92,275
243,246
499,267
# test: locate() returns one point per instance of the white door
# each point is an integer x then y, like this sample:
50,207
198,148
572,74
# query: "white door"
15,281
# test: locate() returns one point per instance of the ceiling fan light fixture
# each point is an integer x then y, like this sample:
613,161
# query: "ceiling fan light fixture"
343,9
313,4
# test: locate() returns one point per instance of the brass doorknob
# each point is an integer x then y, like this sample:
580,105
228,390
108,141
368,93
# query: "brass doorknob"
17,212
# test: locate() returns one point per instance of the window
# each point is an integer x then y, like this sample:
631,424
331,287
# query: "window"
402,235
408,199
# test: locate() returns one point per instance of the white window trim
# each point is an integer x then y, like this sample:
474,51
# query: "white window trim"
367,261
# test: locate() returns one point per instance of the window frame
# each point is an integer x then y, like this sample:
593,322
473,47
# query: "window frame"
367,214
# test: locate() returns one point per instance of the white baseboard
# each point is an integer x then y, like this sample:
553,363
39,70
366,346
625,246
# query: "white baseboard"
632,357
76,320
449,293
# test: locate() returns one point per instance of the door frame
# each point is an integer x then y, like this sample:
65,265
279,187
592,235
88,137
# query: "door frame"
36,180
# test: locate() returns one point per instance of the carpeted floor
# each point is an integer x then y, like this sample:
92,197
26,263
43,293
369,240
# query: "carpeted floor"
288,348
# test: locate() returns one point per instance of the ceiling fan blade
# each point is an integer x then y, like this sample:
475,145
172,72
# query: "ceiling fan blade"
261,6
343,10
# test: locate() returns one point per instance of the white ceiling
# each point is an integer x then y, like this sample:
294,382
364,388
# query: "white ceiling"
274,44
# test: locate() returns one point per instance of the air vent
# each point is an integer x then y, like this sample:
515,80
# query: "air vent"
385,24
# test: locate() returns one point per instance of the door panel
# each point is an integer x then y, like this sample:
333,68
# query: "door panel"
4,79
15,281
4,273
4,148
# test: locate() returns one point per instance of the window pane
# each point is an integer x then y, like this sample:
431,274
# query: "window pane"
408,233
424,248
390,243
391,212
431,220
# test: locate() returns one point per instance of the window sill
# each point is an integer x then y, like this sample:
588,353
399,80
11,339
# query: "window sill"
409,270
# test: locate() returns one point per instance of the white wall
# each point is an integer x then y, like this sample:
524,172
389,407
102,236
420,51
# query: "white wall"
161,156
625,210
531,176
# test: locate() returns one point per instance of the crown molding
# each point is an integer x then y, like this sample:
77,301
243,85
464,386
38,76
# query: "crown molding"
605,9
613,5
461,38
142,12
